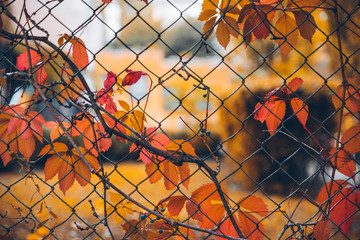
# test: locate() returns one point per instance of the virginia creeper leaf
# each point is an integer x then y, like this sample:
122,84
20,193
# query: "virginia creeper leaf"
306,24
286,28
80,55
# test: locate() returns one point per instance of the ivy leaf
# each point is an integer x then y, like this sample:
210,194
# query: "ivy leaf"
19,129
322,230
22,61
306,24
255,21
343,204
56,130
352,96
286,28
110,80
103,97
344,164
200,201
351,140
272,111
80,55
300,110
94,136
122,207
72,87
67,164
79,52
132,77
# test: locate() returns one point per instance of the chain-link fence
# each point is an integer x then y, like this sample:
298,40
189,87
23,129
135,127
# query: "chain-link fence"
213,119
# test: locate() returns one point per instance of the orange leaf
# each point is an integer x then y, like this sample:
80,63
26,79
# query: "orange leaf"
223,34
56,130
344,164
175,204
292,86
170,175
80,55
200,202
153,172
94,136
306,24
207,14
303,5
227,228
22,61
210,5
255,205
351,140
286,29
250,226
343,204
256,21
276,116
300,110
352,97
68,165
22,129
208,26
72,88
322,230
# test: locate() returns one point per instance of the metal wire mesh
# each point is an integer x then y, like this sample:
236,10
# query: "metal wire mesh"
185,105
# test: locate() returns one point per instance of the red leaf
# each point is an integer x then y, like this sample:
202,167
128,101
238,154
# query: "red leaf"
255,204
262,111
132,77
322,230
276,116
22,61
250,226
41,76
343,204
306,23
110,80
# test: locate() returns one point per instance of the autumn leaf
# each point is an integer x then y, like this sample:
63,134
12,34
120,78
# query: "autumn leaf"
134,119
72,87
302,5
2,77
68,165
22,61
322,230
103,97
19,129
351,140
250,224
110,80
132,77
343,204
255,21
94,136
352,96
56,130
227,25
286,29
114,125
79,52
344,163
122,207
306,24
139,229
159,141
175,204
171,173
272,111
200,201
227,228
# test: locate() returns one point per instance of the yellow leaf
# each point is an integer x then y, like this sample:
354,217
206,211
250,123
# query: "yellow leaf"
210,5
285,28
